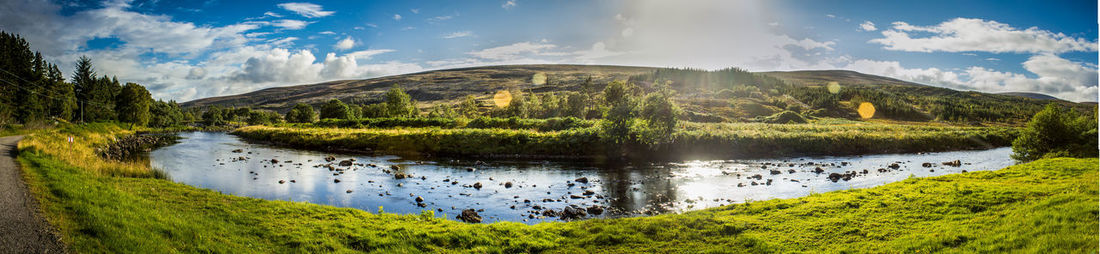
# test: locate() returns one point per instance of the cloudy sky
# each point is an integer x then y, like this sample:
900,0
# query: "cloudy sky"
185,50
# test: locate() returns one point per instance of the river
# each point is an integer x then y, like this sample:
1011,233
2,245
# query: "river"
228,164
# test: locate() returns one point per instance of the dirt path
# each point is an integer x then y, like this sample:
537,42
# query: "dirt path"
21,229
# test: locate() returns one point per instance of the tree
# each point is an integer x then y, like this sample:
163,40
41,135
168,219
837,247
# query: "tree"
335,109
213,116
373,110
165,114
619,96
660,114
258,117
133,105
1057,132
469,107
301,113
517,107
399,103
575,104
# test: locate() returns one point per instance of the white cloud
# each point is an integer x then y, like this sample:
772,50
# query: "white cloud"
652,32
458,34
965,34
272,14
867,26
308,10
438,19
327,32
598,50
345,44
992,59
290,24
1056,76
284,42
515,51
830,16
508,4
397,17
372,25
415,11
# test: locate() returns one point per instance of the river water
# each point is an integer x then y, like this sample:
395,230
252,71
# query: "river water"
230,165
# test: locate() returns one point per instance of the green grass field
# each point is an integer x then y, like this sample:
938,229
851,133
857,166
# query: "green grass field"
1047,206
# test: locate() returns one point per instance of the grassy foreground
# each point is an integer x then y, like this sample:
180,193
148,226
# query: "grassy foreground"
1049,205
714,140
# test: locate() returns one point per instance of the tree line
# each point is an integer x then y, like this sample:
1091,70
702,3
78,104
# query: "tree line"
33,90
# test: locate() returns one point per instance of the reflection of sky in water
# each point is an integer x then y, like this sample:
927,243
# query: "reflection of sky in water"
206,160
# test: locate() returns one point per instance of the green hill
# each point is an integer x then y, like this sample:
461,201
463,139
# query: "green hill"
728,95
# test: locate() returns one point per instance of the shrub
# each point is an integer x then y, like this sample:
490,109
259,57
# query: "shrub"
1057,131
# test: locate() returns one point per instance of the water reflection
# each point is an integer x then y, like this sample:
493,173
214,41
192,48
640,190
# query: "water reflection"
522,190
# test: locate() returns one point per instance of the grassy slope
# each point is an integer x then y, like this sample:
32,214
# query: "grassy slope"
1045,206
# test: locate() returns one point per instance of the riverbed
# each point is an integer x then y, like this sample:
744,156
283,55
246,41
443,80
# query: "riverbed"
524,191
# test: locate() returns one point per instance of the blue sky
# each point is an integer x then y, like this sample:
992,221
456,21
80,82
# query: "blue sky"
186,50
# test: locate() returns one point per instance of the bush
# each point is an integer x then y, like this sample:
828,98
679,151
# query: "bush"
301,113
1057,132
336,109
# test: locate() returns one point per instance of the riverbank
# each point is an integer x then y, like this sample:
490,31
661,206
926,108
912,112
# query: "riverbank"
690,141
1044,206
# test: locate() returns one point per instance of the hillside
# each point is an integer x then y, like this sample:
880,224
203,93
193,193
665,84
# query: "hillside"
1037,96
429,86
729,95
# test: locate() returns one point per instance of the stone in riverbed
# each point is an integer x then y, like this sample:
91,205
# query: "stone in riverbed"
238,150
477,185
573,212
595,210
345,163
508,185
581,180
330,158
469,216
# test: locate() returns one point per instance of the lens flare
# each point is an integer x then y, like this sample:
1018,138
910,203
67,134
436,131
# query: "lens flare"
539,78
502,98
866,110
833,87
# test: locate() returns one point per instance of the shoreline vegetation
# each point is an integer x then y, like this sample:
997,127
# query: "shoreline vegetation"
99,205
571,138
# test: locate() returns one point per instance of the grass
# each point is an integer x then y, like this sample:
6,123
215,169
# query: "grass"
1047,206
691,140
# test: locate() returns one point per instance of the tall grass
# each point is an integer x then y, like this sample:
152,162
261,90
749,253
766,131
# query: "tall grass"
82,152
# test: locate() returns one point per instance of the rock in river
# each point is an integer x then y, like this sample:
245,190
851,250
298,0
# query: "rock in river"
470,216
345,163
573,212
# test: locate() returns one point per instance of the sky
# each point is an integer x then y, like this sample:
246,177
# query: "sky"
185,50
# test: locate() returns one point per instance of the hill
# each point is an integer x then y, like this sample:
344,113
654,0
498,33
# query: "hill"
1037,96
728,95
